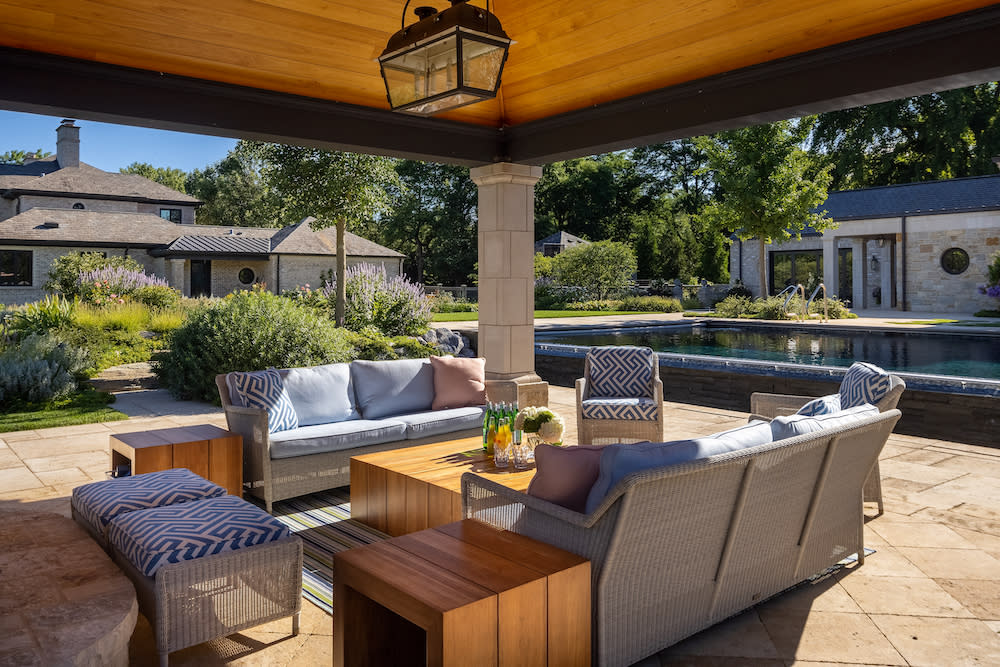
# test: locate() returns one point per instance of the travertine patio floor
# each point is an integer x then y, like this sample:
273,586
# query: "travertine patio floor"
930,595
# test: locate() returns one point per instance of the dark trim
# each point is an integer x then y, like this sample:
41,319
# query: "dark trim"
953,52
914,214
21,192
183,254
80,244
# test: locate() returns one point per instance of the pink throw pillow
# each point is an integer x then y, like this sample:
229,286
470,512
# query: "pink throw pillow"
564,475
458,382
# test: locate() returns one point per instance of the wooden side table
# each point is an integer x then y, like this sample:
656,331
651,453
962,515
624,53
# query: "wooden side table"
461,594
212,452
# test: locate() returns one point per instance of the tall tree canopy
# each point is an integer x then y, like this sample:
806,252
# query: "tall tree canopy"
169,176
235,191
762,187
16,156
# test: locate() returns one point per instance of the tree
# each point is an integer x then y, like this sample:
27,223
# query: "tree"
168,176
335,187
763,191
664,243
235,192
432,219
677,168
18,156
600,268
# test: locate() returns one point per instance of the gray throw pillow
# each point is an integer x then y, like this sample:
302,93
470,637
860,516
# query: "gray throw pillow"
793,425
322,394
387,388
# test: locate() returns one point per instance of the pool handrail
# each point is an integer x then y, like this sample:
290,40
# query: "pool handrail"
795,289
826,314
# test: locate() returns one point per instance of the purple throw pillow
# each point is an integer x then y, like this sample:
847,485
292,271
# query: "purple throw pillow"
564,475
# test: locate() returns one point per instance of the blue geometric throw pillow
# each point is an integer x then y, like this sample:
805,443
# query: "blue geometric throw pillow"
863,383
264,389
823,405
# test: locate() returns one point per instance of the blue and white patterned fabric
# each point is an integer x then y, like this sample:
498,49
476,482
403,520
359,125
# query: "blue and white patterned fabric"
863,383
155,537
823,405
265,389
621,372
100,502
635,409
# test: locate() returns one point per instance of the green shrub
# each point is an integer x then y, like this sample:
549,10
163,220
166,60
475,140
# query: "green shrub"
734,306
246,331
444,302
987,313
604,269
651,304
38,369
835,309
50,313
773,308
374,345
64,274
691,302
157,296
550,296
601,304
739,289
393,305
165,321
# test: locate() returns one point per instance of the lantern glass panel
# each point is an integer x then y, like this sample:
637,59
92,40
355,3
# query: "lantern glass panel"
447,102
482,63
423,72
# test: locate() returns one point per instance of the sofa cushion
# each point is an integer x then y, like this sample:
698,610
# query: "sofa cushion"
321,394
793,425
618,461
639,409
439,422
155,537
100,502
863,383
458,382
621,371
385,388
335,436
565,475
823,405
266,390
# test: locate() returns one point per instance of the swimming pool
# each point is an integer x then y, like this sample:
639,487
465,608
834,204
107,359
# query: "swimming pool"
954,355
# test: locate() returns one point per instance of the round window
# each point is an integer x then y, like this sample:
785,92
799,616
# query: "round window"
246,276
78,206
954,261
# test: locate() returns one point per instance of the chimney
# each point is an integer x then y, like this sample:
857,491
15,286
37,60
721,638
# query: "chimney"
68,144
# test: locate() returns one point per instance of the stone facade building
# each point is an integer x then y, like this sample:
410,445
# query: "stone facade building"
918,247
57,205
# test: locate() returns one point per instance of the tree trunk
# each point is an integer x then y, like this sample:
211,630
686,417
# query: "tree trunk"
341,303
762,265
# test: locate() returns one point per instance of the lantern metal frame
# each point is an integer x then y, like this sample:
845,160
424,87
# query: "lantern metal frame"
465,24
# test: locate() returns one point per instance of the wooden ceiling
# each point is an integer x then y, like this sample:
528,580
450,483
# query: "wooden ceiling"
568,57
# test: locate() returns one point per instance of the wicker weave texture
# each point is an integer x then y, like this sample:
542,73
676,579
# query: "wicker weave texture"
607,431
677,549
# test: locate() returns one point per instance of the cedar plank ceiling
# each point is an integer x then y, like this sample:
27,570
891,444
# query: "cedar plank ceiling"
568,56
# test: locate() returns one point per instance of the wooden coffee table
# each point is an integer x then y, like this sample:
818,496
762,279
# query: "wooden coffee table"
461,594
406,490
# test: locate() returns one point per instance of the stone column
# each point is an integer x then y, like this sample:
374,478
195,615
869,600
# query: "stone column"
507,282
886,273
831,268
175,275
859,270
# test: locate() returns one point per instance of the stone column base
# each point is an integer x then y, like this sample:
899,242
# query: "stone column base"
524,390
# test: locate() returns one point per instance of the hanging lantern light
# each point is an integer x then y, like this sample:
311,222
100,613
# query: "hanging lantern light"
446,60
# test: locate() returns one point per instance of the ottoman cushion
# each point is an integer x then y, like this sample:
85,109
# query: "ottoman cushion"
100,502
155,537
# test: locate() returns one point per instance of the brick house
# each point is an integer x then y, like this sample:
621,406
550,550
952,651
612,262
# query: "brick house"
917,246
56,205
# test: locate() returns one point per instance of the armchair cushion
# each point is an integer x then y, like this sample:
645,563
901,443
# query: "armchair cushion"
823,405
792,425
266,390
564,475
863,383
322,394
636,409
621,372
387,388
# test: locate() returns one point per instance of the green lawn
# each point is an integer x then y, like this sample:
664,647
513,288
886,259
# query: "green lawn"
86,407
539,314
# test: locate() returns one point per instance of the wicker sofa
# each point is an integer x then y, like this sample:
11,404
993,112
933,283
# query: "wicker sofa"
391,407
678,548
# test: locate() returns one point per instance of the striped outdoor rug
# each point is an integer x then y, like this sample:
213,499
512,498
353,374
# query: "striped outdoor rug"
323,521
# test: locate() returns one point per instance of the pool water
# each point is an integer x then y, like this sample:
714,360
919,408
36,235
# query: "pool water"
924,354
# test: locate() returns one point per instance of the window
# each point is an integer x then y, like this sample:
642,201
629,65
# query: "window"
15,268
79,206
791,267
954,261
246,276
171,214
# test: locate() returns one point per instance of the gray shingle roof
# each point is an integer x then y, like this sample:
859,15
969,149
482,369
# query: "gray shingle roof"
219,245
977,193
559,238
87,180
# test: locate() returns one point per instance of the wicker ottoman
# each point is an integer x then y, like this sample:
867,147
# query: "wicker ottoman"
208,568
95,505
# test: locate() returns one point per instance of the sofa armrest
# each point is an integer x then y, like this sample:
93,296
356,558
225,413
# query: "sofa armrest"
769,406
499,505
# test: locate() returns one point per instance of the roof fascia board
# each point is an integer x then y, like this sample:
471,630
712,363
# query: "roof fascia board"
78,244
22,192
954,52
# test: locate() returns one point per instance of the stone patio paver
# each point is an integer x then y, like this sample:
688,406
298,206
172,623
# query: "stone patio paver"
932,642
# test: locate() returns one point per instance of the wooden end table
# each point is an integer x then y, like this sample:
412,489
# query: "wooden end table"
212,452
405,490
461,594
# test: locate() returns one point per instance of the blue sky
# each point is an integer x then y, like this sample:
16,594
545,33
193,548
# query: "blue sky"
111,147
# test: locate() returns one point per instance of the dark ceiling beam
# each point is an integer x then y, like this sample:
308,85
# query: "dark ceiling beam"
954,52
58,86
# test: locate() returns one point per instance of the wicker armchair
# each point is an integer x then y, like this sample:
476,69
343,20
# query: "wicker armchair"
768,406
620,396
